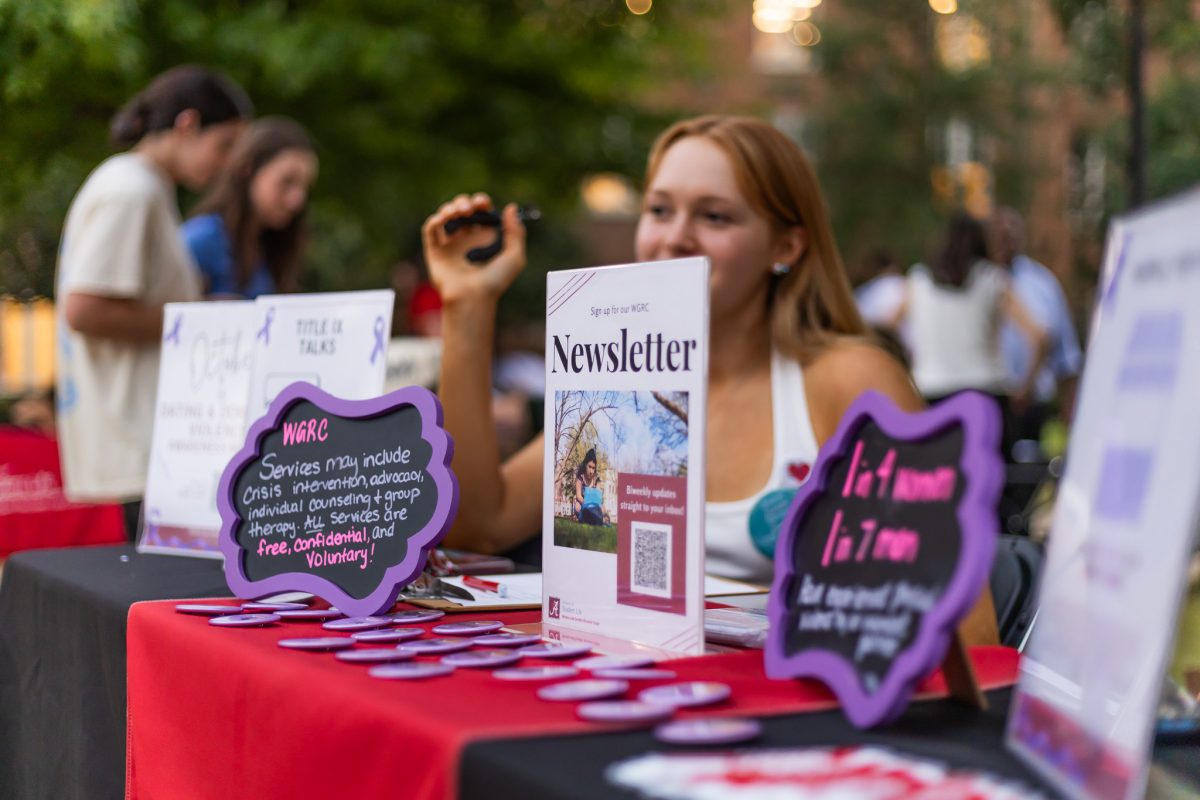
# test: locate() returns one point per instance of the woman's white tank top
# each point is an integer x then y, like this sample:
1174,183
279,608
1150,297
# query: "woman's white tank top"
740,534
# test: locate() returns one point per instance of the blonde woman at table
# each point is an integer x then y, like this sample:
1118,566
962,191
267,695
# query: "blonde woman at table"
120,260
788,351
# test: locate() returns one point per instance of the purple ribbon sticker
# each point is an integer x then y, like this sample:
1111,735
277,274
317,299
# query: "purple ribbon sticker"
153,516
1110,291
377,351
173,335
264,332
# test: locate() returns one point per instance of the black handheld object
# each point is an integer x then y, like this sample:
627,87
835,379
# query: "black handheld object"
491,219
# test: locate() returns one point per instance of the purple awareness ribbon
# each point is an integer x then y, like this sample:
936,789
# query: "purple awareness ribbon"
152,520
1110,291
378,349
173,335
264,332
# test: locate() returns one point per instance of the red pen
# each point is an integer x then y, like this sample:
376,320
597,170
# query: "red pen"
488,586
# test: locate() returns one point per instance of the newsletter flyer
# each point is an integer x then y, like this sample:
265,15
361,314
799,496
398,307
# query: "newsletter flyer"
623,505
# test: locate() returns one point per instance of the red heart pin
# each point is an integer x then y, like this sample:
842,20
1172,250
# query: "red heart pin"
799,471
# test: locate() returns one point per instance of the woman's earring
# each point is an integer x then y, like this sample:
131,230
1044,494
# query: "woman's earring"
781,268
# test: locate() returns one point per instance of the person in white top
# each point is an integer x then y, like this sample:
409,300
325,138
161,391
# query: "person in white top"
789,351
120,260
881,294
954,312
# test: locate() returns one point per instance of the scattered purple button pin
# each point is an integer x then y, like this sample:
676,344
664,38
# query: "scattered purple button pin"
422,647
710,730
506,639
410,671
206,609
634,674
623,711
271,608
310,615
614,662
414,617
472,627
317,643
482,659
695,693
555,672
244,620
556,650
357,624
374,655
582,690
384,635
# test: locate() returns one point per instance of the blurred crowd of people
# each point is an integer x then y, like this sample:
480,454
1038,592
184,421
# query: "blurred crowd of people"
981,315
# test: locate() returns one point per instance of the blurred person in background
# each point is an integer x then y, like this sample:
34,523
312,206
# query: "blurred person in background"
879,298
1040,292
425,311
881,294
34,410
954,309
121,259
519,384
248,233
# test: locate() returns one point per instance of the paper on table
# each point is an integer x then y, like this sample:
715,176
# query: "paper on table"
525,589
723,587
522,589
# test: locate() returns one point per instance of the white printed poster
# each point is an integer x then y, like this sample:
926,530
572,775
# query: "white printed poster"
1116,569
623,509
200,412
222,364
337,342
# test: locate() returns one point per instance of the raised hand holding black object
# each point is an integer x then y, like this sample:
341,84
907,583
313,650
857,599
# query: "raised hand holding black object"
492,219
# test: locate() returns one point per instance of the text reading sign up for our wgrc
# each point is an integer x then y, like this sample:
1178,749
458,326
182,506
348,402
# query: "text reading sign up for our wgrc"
340,498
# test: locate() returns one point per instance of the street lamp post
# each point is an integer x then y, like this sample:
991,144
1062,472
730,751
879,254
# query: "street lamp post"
1137,138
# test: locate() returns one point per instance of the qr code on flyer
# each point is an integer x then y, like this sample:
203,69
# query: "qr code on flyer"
650,564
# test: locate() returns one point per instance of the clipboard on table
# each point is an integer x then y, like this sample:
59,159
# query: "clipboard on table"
523,592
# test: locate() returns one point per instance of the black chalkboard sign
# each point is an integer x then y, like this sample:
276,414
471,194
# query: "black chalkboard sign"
885,550
339,498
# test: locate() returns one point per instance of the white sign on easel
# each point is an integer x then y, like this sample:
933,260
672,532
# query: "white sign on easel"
337,342
200,413
222,365
623,505
1116,570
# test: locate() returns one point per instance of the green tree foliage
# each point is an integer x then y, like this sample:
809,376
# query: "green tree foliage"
887,98
410,102
1098,35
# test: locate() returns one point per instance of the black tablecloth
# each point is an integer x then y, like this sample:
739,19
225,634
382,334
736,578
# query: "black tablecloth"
62,662
62,695
562,767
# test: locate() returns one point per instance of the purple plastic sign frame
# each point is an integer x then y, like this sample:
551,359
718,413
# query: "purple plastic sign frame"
983,470
419,544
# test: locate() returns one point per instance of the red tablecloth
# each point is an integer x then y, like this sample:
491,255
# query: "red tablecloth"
221,713
33,511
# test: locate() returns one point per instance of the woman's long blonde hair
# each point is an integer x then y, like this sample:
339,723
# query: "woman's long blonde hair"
812,304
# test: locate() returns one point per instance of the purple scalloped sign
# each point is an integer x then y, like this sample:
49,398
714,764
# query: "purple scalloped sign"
885,550
340,498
